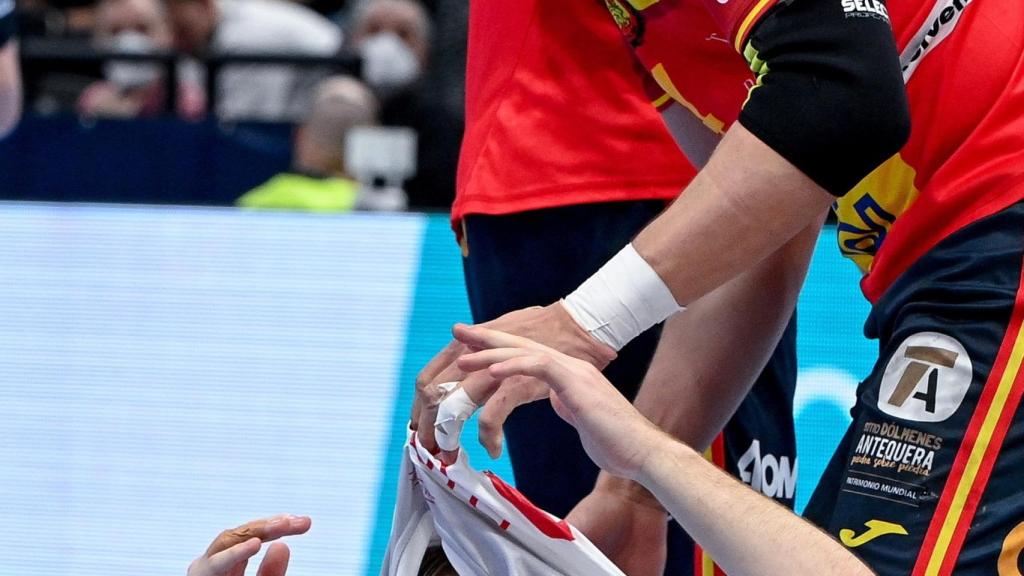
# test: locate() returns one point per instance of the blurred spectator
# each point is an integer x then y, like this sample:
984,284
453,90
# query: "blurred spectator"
394,39
318,181
256,27
65,26
57,18
133,89
10,75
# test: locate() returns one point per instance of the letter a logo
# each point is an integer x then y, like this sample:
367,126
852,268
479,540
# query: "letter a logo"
927,378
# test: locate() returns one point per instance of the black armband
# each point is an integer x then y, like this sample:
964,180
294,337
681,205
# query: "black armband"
830,96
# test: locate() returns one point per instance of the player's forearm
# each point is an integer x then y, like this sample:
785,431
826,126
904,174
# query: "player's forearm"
711,355
743,206
743,531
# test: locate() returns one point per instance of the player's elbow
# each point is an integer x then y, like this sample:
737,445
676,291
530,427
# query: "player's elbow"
831,97
837,137
870,127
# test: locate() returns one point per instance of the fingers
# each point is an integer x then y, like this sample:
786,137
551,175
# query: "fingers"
479,385
480,338
441,369
232,560
478,388
425,425
429,375
452,414
542,366
492,418
264,529
275,562
524,375
483,360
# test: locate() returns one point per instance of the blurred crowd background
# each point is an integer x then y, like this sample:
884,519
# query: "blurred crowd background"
320,105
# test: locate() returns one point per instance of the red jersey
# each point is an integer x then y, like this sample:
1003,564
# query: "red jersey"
964,69
554,116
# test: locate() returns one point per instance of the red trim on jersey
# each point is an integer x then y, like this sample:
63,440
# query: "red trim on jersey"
558,530
718,451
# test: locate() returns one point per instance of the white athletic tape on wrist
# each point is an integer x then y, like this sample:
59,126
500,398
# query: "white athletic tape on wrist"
452,414
621,300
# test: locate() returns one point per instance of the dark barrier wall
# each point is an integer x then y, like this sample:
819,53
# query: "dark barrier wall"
156,161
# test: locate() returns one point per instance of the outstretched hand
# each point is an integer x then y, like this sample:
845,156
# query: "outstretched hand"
229,553
551,325
616,437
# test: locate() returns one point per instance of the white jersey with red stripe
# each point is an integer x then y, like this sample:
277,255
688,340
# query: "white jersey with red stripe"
484,525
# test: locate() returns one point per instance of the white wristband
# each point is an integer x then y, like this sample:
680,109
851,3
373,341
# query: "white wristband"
621,300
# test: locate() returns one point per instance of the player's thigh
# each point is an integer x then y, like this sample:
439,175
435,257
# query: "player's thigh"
759,442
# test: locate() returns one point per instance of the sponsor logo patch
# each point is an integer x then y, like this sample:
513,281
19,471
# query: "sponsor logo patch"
927,378
893,462
888,446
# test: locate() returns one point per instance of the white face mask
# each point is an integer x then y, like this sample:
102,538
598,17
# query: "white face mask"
389,65
129,75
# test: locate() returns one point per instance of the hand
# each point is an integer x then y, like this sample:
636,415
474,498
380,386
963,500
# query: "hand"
616,437
230,552
551,325
626,523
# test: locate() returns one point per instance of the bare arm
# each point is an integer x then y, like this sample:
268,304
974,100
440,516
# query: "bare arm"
706,363
712,354
742,207
743,531
10,88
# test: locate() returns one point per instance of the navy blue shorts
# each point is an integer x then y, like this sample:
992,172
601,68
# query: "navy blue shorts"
535,258
929,478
